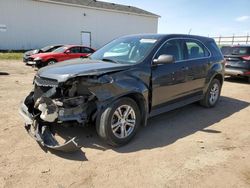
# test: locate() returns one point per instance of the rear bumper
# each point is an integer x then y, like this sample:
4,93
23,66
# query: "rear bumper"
237,72
42,134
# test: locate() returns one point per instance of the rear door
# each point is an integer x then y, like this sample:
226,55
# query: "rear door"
85,52
197,65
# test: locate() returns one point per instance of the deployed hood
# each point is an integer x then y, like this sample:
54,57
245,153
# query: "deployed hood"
79,67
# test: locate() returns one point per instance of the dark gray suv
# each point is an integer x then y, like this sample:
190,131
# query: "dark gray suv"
238,60
123,84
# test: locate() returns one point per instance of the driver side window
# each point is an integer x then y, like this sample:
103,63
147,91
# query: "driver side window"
172,47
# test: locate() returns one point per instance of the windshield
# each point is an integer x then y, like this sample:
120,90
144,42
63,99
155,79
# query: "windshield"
129,50
60,50
45,49
235,50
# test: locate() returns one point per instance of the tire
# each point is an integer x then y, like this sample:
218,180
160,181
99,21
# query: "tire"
51,62
212,94
248,79
114,126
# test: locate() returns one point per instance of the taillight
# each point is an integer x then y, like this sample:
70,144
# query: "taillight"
247,58
247,73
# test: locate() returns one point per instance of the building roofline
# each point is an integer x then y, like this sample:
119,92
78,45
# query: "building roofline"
152,15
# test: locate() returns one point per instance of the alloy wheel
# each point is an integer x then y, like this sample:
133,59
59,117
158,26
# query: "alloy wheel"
123,121
214,93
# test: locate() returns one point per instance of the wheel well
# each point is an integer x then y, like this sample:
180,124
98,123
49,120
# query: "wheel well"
52,59
140,101
219,77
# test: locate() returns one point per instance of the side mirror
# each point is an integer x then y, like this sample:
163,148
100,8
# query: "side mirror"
164,59
67,52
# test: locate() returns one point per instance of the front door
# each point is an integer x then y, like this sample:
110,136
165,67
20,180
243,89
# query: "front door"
197,62
169,80
73,52
86,38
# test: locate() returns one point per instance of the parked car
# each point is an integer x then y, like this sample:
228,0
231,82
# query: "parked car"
118,93
61,54
46,49
238,60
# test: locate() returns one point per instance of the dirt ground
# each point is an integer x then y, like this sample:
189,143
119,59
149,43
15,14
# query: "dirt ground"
188,147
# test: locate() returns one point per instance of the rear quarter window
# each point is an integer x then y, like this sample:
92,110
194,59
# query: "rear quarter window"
214,49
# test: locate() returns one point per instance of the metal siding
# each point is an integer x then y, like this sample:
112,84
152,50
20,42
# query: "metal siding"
33,24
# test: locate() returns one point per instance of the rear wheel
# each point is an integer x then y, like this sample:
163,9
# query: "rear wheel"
118,123
212,95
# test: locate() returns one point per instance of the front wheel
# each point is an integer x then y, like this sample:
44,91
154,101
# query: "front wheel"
51,62
119,122
212,95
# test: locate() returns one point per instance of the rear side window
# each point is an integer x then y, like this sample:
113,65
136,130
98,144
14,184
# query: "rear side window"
75,50
214,49
195,50
172,47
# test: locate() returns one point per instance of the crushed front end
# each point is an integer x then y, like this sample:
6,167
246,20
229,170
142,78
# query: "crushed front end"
52,103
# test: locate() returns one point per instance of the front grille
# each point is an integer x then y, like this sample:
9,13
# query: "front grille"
39,91
46,82
42,86
30,58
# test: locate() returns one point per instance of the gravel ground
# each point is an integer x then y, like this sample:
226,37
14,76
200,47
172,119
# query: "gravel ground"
187,147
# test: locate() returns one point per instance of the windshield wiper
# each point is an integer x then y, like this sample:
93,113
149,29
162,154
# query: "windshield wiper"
109,60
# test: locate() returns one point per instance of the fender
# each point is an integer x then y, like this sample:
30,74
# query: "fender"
216,70
128,86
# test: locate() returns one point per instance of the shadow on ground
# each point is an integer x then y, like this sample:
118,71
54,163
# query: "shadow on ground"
4,73
238,80
162,130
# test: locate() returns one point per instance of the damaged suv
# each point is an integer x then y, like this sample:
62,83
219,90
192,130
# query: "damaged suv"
123,84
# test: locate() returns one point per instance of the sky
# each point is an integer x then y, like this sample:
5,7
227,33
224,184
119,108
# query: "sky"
201,17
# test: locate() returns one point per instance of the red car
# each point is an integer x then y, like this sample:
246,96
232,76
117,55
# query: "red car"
61,54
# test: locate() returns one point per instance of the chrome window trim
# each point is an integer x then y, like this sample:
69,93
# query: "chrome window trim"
210,54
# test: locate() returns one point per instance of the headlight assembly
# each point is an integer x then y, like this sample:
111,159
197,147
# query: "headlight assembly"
37,59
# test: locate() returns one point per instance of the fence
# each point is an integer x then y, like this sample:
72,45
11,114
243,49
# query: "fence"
231,40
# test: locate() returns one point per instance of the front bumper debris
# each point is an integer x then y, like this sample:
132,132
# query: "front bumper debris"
43,135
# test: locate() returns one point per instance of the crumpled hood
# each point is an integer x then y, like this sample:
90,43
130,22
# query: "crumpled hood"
79,67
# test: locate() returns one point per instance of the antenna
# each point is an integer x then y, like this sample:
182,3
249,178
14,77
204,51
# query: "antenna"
189,32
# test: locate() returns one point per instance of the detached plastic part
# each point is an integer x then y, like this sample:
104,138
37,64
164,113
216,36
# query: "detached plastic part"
44,137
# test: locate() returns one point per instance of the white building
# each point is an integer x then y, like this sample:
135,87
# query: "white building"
28,24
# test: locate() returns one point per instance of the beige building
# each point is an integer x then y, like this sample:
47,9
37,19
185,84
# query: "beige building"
28,24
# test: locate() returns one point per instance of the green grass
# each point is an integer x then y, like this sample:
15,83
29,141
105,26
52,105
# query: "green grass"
11,56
